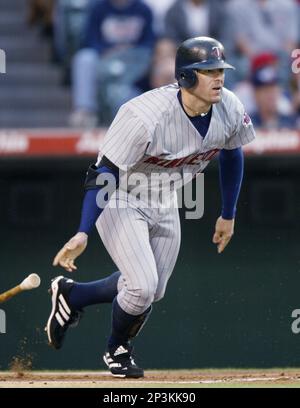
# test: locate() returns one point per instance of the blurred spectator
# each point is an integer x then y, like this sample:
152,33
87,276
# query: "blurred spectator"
256,26
41,12
162,68
193,18
159,9
69,22
295,87
270,113
298,5
118,44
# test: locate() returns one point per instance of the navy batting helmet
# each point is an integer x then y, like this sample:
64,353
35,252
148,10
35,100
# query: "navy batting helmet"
198,53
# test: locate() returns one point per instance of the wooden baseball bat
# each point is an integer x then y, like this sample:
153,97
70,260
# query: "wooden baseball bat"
31,282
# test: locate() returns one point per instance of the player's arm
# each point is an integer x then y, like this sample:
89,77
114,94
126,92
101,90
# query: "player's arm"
231,167
124,144
91,210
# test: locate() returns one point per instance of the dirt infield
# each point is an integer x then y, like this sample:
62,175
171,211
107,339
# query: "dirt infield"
178,379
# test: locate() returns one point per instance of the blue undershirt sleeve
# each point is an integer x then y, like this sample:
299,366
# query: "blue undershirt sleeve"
90,210
231,168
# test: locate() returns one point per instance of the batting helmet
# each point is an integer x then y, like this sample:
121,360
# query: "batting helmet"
198,53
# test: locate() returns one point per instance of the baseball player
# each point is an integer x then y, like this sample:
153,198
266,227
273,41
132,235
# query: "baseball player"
174,129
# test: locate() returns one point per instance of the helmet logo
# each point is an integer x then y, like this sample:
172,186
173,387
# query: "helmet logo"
216,52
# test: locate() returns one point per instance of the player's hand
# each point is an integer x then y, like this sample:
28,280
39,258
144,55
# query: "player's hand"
223,232
70,251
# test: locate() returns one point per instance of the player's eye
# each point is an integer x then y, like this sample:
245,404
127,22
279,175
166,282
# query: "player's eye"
203,71
210,72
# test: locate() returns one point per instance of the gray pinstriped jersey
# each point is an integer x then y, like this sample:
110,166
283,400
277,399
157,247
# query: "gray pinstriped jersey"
151,133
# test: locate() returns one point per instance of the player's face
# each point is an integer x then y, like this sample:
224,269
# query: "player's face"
209,85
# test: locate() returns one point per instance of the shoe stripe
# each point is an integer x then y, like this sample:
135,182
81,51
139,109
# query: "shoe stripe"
63,313
120,350
54,288
109,362
59,319
64,304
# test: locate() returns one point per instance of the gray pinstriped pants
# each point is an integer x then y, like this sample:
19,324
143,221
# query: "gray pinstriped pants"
144,245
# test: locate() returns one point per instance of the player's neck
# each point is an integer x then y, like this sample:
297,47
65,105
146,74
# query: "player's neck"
192,105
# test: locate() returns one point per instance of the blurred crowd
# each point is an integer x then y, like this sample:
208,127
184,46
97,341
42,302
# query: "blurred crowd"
112,50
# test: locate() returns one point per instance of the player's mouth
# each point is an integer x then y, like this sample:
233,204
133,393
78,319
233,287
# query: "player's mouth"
216,91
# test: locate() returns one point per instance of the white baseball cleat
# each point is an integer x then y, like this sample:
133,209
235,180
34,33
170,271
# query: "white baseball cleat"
62,315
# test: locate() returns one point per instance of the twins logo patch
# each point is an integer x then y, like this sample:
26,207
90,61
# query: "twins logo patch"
246,120
217,52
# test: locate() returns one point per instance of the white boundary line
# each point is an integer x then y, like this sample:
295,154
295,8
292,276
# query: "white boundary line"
225,381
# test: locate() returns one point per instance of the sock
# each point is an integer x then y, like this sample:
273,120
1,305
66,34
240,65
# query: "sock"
123,324
91,293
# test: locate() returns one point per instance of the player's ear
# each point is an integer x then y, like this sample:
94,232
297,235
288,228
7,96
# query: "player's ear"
187,78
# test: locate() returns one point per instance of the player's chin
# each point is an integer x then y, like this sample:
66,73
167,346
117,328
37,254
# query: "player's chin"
216,98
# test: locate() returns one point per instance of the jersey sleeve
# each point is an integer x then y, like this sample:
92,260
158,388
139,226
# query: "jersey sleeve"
243,130
126,139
